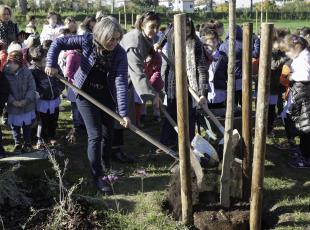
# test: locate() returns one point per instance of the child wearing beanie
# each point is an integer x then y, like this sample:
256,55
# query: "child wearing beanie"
21,100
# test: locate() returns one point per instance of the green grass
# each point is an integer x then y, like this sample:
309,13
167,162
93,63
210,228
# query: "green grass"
286,191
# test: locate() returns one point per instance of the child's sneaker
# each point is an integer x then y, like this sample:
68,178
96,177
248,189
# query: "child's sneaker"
287,145
40,145
17,148
27,148
300,163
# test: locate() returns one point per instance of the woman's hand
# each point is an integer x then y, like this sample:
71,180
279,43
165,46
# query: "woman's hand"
203,101
157,47
50,71
126,122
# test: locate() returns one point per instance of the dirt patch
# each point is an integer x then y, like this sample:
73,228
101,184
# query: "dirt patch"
222,220
208,213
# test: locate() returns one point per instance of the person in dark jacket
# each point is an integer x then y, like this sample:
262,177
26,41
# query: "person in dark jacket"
4,93
297,49
21,101
278,59
103,74
217,70
197,76
49,90
8,29
238,63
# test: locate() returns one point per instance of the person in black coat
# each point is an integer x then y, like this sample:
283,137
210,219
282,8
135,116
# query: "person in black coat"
4,92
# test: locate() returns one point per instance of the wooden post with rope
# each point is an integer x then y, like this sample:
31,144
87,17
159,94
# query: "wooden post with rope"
182,118
247,108
261,127
229,121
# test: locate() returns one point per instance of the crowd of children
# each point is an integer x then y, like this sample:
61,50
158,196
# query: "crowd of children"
30,98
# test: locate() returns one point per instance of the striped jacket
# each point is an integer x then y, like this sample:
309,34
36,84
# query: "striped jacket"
117,77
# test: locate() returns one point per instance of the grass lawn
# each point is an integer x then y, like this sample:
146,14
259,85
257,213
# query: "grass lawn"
286,190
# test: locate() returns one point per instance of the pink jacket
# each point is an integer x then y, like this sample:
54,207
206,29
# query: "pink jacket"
152,70
73,61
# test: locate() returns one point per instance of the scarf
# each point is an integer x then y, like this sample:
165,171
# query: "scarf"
191,68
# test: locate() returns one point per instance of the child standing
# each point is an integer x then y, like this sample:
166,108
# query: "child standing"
278,59
52,30
21,100
4,92
73,61
217,70
297,50
49,89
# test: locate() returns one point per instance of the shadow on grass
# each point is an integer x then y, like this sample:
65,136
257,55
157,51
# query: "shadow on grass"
133,185
273,194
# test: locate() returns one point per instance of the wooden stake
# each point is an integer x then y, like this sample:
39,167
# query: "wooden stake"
256,22
182,117
119,17
229,121
125,15
261,14
132,19
247,108
260,127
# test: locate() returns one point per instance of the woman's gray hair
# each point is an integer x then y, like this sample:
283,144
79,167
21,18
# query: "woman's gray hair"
104,30
3,8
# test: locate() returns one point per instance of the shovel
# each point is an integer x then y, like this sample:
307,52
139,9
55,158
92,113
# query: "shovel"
194,161
196,166
236,135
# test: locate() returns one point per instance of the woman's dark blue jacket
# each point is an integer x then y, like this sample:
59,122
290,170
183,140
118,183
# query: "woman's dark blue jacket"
117,76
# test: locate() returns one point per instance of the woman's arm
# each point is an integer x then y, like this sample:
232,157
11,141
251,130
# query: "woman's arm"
121,84
137,75
65,43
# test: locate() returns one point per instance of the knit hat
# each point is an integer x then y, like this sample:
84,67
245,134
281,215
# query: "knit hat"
14,46
37,53
16,56
33,40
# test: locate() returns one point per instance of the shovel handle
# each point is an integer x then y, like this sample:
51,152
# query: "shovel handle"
114,115
207,110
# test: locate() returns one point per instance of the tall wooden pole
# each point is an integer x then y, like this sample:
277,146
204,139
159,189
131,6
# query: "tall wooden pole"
261,127
256,22
112,6
125,15
261,14
182,117
132,19
229,121
119,17
247,108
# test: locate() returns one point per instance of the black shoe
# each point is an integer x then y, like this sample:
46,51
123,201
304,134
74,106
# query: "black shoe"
122,157
103,186
17,148
2,153
27,148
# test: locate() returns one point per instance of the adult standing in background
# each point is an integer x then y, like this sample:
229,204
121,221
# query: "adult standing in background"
8,29
51,30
